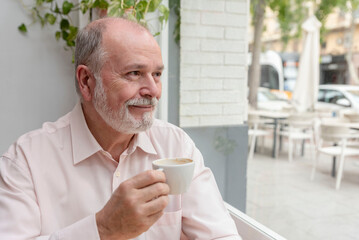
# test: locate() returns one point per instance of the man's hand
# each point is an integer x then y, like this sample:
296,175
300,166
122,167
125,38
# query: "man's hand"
134,207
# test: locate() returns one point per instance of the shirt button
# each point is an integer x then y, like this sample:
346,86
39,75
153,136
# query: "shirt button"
117,174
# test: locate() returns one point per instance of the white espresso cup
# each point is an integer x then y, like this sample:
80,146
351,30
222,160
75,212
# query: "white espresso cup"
178,171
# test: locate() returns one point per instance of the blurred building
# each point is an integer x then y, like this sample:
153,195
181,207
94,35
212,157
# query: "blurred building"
335,44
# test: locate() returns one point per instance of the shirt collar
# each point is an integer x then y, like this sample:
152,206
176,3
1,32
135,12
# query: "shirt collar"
85,145
83,142
143,141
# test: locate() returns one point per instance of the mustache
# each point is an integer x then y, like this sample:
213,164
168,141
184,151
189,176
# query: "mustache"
142,101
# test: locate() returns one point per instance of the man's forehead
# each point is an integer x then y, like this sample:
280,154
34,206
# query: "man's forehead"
125,28
158,67
125,38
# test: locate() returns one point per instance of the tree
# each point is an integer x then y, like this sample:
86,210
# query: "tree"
254,69
290,14
350,7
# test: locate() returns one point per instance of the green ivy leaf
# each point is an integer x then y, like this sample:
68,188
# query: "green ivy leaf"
70,43
84,7
64,34
129,3
66,7
114,9
139,16
50,18
22,28
36,14
102,4
95,4
165,12
39,2
57,35
42,20
64,24
49,1
131,17
57,9
154,5
141,6
72,33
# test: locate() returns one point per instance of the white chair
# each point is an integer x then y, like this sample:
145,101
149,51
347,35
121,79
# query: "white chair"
333,141
351,114
255,130
298,127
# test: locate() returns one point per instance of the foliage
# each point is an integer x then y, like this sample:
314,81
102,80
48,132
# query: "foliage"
50,12
176,6
323,10
292,13
222,143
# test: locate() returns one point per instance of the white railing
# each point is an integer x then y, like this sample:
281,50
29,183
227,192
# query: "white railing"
250,229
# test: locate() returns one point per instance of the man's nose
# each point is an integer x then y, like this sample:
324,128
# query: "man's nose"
151,87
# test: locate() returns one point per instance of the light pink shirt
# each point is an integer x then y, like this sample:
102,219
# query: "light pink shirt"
53,181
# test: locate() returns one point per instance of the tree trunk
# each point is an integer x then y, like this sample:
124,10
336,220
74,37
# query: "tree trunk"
349,56
254,69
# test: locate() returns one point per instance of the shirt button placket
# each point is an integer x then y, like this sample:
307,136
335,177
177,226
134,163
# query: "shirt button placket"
116,180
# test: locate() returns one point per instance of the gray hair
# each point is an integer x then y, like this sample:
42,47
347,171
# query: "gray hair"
89,50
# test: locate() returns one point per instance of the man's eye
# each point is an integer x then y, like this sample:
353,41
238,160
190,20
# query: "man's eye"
157,74
134,73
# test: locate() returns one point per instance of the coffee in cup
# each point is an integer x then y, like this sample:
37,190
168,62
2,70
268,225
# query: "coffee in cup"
178,171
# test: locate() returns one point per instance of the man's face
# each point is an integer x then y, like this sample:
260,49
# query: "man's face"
129,87
121,119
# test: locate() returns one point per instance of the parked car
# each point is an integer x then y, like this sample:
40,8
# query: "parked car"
268,100
337,97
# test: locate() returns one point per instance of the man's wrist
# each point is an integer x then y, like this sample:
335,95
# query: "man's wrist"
102,230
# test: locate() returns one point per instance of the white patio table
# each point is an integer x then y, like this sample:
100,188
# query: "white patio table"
275,116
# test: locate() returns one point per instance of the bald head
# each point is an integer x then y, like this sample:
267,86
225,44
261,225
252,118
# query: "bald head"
90,50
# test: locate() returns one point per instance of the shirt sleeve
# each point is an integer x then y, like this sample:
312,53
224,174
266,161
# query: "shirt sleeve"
20,215
204,213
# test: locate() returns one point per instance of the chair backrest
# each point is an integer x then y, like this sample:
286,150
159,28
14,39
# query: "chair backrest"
301,120
324,112
253,118
256,120
353,117
333,133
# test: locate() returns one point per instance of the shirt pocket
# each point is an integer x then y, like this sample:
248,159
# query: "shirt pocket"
169,226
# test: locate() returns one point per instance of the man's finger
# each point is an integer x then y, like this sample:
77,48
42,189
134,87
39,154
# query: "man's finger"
147,178
156,205
154,191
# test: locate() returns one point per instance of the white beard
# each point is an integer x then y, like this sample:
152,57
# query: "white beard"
121,119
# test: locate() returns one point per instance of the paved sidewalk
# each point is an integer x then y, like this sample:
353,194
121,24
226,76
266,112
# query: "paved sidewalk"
281,196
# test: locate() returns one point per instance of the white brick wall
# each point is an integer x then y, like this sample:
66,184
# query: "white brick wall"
213,68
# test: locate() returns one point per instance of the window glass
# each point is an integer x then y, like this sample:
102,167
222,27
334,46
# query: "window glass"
321,95
333,96
269,77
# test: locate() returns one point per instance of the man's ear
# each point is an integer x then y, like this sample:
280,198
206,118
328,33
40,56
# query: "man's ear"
86,82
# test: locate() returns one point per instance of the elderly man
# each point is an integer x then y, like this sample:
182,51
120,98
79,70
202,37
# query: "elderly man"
87,175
